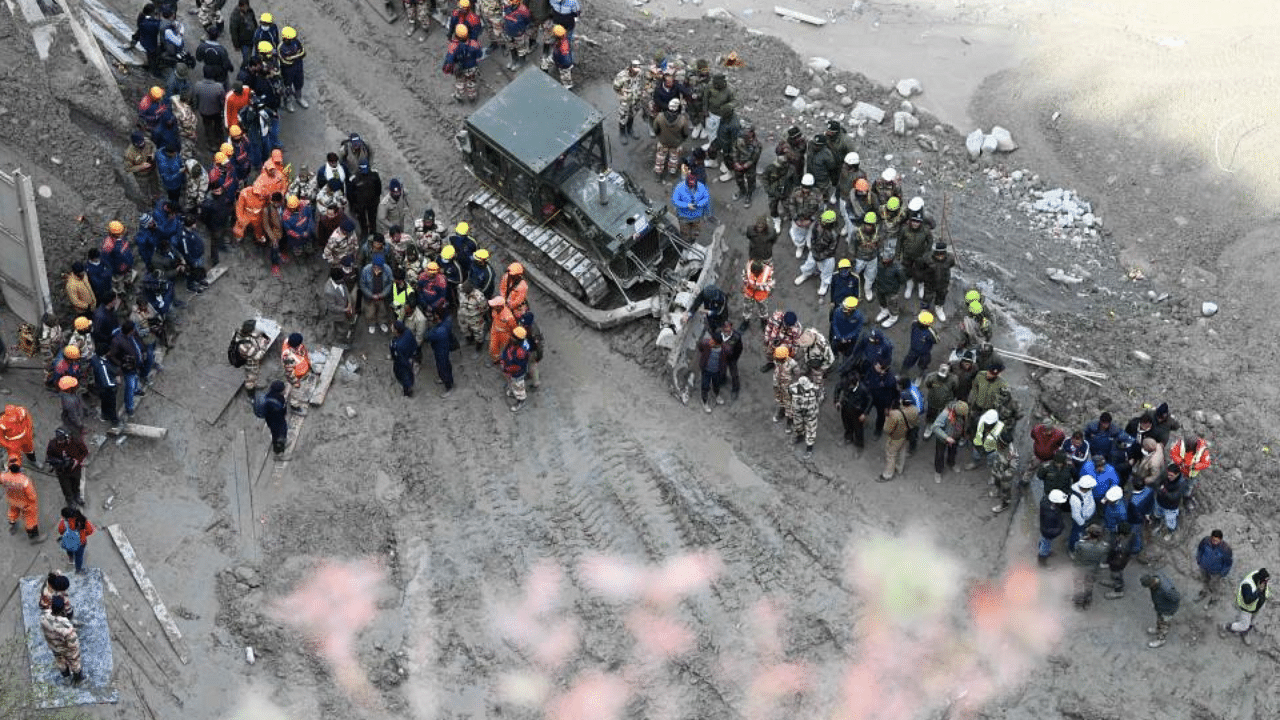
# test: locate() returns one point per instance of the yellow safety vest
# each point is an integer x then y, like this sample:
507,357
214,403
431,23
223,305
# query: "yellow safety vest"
1253,606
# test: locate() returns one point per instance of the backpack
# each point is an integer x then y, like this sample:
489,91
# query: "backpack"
260,405
70,540
233,352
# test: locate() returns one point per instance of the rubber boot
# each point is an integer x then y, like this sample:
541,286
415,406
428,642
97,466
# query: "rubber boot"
413,28
622,133
631,129
546,57
35,536
515,60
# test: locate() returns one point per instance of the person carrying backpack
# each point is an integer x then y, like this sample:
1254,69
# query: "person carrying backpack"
74,530
247,347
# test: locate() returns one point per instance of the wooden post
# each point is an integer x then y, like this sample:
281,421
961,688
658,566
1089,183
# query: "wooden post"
149,592
331,365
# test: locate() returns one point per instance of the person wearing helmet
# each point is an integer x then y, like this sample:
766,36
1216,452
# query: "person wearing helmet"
514,362
692,203
66,363
562,55
744,156
117,251
757,286
782,330
1053,504
514,289
824,242
517,23
501,324
298,221
976,325
850,173
923,338
628,85
20,494
464,14
267,31
671,128
846,323
803,209
152,109
892,217
888,282
844,283
482,275
1004,469
866,243
824,165
886,186
292,71
462,58
81,339
915,240
298,371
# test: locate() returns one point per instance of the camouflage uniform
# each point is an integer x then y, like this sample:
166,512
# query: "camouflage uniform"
63,641
188,127
743,158
1004,467
627,87
802,209
783,375
699,83
805,401
816,359
418,14
491,13
776,333
777,180
251,347
473,308
207,13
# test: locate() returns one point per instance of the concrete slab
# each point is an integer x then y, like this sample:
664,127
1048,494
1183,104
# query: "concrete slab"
49,688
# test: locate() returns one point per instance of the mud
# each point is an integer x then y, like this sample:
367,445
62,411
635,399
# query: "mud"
459,501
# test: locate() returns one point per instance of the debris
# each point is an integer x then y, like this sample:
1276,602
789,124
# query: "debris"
927,142
845,101
814,92
791,91
1208,309
249,656
862,112
989,144
1089,376
44,191
350,411
149,592
136,430
1141,356
1004,139
732,60
908,87
903,122
799,104
798,16
820,64
907,106
842,90
1058,275
973,143
719,13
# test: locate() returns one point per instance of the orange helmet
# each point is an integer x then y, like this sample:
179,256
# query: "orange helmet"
227,149
219,157
68,382
515,269
71,352
277,156
115,227
861,185
520,332
157,93
559,31
292,202
235,131
461,30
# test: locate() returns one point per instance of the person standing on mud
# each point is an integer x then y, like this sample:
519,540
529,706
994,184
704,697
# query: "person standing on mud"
1250,597
1089,554
60,634
902,417
562,55
462,61
802,210
275,413
692,202
1214,557
65,455
1165,599
783,373
806,401
672,129
20,494
627,85
515,366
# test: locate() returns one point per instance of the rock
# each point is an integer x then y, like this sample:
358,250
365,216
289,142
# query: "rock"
1060,276
1141,356
927,142
989,144
55,160
1208,309
1004,140
862,112
904,122
350,411
249,656
907,106
44,191
799,104
718,13
908,87
820,64
814,93
1017,175
973,143
846,101
247,575
842,89
791,91
1214,420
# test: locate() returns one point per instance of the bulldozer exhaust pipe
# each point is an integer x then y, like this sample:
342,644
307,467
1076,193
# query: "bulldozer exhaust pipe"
601,182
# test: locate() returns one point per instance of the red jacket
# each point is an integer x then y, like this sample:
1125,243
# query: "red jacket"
1045,441
85,531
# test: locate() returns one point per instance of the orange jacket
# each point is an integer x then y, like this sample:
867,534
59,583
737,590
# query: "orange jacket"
249,204
265,185
757,287
234,104
18,489
517,293
1190,463
16,433
85,531
296,361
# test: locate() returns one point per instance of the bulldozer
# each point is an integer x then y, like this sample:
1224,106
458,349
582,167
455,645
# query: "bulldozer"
585,233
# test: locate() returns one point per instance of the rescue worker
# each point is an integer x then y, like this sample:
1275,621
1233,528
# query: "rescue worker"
697,87
892,219
515,289
502,322
276,415
461,60
782,330
1004,468
299,225
823,165
692,202
433,290
915,240
805,401
364,193
935,277
251,345
824,242
20,493
886,187
117,252
537,344
866,245
792,150
627,85
482,275
472,310
1191,455
850,173
777,183
296,362
17,435
854,402
846,326
65,455
292,72
783,375
1251,595
152,110
562,55
948,430
404,350
889,280
716,304
844,283
986,429
250,206
923,338
757,285
61,637
813,354
720,124
802,210
976,324
672,129
743,159
761,237
73,411
515,365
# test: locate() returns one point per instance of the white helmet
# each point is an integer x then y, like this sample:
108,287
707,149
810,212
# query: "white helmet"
1057,497
1088,482
807,180
989,417
852,159
674,104
916,204
1114,493
889,175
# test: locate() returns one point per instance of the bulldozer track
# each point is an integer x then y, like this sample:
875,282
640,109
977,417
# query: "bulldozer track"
550,251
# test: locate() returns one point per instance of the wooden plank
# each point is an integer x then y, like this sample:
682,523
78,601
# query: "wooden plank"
108,19
111,45
243,495
149,592
94,55
330,371
144,431
31,12
802,17
217,272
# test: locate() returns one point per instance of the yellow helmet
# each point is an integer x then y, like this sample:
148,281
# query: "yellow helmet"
157,93
975,307
292,202
925,317
462,228
71,352
235,131
559,31
265,47
844,263
781,352
828,217
266,18
850,303
464,4
288,33
893,203
227,149
869,218
115,227
433,267
83,323
520,332
447,252
219,157
481,254
972,295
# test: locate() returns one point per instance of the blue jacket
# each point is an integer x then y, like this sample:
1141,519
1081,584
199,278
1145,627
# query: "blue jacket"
275,413
103,377
166,135
682,197
1100,441
191,246
515,20
438,338
1107,479
846,327
483,278
99,278
845,283
145,240
917,398
462,55
1113,514
366,282
167,224
922,339
404,348
883,387
149,33
515,360
169,165
872,353
1214,560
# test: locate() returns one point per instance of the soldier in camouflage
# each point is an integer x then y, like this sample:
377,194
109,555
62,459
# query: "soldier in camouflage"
802,210
699,83
473,310
777,182
1004,469
782,330
627,86
815,357
61,636
743,158
783,375
805,401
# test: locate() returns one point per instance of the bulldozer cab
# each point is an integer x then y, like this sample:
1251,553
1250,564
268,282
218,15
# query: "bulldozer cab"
530,139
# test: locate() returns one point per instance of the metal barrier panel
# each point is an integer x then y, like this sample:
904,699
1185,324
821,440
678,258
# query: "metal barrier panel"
23,280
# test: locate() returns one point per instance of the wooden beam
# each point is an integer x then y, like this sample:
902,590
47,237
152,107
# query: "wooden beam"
149,592
217,272
111,45
145,431
802,17
243,494
109,20
330,371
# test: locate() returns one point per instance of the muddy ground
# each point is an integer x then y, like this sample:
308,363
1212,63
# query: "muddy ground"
459,501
